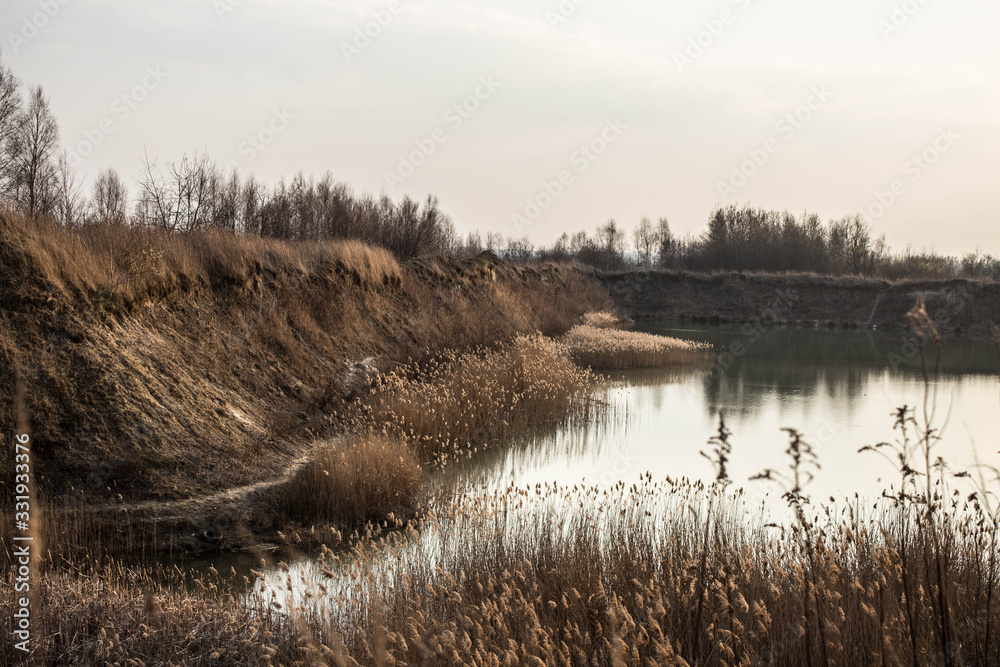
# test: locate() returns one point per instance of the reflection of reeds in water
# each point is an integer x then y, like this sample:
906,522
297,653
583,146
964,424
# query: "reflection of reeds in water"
580,444
552,575
658,377
535,575
547,574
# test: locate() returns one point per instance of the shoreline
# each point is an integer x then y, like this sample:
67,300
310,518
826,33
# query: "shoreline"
961,306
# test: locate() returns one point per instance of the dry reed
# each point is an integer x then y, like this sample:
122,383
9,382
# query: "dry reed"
354,480
606,348
455,402
602,320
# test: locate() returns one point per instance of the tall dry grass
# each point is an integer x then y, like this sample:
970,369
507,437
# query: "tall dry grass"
118,614
455,402
602,347
430,412
115,262
527,577
352,481
602,320
616,583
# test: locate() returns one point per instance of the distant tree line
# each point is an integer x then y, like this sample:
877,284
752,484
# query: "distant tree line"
38,179
745,238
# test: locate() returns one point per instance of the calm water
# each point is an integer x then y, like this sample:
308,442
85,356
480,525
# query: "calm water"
838,388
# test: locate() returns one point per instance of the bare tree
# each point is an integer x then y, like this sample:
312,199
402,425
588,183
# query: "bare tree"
667,244
10,110
110,197
253,199
645,241
611,241
32,152
71,206
519,250
857,243
182,198
493,241
226,204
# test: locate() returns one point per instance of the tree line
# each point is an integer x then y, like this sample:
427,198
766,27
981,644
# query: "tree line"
745,238
38,179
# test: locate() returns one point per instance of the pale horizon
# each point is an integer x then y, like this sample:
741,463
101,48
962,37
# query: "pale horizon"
537,83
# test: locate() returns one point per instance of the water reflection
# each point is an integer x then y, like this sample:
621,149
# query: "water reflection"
838,388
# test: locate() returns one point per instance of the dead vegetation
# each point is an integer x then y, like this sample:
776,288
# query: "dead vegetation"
449,404
363,478
654,572
165,366
601,344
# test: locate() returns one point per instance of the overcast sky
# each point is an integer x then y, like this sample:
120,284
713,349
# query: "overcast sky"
642,107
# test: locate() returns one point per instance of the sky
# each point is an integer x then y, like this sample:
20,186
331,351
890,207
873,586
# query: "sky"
538,118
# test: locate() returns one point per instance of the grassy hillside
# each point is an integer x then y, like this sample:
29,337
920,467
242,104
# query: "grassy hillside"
160,366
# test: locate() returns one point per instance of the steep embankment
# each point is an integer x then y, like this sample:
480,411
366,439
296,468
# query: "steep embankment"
169,367
737,297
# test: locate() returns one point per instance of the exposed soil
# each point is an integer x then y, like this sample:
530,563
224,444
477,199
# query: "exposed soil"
737,297
198,387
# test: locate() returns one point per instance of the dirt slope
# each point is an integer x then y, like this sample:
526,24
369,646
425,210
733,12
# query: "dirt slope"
198,379
738,297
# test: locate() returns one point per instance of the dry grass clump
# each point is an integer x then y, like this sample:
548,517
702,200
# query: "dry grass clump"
602,320
354,480
433,411
115,614
607,348
457,401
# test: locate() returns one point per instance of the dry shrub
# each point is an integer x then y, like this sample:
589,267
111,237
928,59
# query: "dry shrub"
607,348
460,400
602,320
354,480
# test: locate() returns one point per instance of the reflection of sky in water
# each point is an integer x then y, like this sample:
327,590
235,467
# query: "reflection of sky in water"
837,388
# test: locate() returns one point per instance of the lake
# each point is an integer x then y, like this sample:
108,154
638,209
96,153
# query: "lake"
838,388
